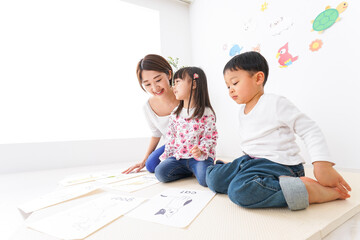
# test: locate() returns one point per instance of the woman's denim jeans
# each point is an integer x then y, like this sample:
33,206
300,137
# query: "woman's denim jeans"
172,169
259,183
153,159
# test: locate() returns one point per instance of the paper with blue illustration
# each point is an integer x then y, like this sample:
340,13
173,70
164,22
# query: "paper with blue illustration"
174,207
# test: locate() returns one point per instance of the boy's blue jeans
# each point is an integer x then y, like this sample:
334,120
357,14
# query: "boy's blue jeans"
171,169
153,159
256,183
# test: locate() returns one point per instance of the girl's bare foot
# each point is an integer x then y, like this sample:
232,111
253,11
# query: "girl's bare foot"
320,194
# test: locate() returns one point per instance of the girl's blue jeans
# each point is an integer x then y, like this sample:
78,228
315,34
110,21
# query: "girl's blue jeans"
259,183
171,169
153,159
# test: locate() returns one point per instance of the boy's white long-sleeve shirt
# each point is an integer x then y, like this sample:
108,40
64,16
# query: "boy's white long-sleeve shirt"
268,131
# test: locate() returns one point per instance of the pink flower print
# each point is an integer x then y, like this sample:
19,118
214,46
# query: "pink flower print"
200,136
191,146
177,145
208,136
183,141
184,150
181,135
173,142
187,132
214,133
196,127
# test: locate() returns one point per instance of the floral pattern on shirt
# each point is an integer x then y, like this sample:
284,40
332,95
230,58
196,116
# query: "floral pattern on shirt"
185,133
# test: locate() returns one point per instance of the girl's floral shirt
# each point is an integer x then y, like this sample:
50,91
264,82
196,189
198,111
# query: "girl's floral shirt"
184,133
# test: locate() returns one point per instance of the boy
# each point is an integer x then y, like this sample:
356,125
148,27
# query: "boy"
271,174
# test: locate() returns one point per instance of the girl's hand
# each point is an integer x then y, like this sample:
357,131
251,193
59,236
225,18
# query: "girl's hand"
137,167
329,177
196,152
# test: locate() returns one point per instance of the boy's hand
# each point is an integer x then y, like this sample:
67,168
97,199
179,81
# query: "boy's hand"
329,177
196,152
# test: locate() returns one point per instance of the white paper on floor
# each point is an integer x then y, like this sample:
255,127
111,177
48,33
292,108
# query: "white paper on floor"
120,177
134,184
174,207
88,177
58,196
80,221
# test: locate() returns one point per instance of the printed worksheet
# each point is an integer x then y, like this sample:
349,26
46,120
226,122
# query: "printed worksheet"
59,195
83,178
134,184
80,221
120,177
174,207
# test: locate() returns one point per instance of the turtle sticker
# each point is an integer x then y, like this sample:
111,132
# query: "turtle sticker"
328,17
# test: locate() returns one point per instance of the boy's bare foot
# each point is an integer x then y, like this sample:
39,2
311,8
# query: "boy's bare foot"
320,194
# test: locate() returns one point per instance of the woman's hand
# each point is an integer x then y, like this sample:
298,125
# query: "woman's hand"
137,167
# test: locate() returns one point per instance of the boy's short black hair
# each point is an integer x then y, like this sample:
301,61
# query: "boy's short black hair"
251,62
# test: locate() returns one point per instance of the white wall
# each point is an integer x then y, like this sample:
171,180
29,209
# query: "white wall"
323,84
174,29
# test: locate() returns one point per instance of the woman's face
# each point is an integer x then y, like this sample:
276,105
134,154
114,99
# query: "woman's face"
155,83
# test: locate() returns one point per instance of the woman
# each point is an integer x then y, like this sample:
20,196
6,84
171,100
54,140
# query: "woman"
155,74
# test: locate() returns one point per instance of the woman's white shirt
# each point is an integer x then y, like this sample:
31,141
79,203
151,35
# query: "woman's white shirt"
158,124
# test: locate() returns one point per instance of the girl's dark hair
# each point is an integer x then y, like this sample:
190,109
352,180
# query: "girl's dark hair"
251,62
200,94
153,62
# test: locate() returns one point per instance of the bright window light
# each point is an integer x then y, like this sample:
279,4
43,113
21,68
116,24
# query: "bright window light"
67,69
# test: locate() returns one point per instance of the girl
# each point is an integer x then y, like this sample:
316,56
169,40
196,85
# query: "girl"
154,74
192,131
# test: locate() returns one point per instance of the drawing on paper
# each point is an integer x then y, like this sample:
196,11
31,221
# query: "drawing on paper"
80,221
134,184
175,204
173,207
59,195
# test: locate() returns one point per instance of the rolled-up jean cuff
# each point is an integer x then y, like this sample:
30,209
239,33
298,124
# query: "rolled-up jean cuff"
295,193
